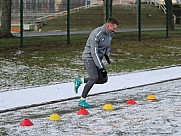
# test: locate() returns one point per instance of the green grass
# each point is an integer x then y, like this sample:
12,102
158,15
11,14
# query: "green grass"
90,18
2,132
48,60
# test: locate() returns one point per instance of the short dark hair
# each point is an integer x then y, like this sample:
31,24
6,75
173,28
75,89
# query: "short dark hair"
113,21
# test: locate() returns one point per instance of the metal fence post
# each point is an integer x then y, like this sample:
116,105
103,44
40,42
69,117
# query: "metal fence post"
21,23
111,1
68,22
167,17
139,20
107,9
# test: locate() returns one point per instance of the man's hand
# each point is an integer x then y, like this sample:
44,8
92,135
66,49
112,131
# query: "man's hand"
104,72
107,59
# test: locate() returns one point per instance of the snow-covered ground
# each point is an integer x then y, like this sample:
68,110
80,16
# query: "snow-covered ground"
38,95
146,118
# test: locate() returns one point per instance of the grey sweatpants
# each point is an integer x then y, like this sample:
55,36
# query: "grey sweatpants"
95,77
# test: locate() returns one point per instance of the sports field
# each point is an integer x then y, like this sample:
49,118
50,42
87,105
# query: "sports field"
146,118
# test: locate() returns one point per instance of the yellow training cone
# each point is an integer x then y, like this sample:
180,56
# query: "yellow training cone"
151,97
108,107
54,116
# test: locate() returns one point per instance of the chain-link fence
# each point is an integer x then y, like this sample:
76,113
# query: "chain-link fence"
44,16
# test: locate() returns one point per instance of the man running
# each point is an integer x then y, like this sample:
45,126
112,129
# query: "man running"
97,47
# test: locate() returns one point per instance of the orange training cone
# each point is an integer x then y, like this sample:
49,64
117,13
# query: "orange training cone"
131,102
82,111
26,122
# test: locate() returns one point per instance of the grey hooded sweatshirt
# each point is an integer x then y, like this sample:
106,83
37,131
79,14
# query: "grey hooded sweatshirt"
98,45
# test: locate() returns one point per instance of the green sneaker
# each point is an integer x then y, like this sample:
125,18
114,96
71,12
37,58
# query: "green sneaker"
77,83
84,104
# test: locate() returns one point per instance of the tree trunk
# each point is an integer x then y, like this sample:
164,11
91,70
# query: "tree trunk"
169,5
6,19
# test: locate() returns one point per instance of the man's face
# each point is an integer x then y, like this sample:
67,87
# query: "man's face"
111,27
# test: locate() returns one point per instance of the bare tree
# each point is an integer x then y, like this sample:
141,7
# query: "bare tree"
6,19
169,6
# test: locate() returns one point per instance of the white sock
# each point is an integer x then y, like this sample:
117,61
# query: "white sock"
82,80
81,98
